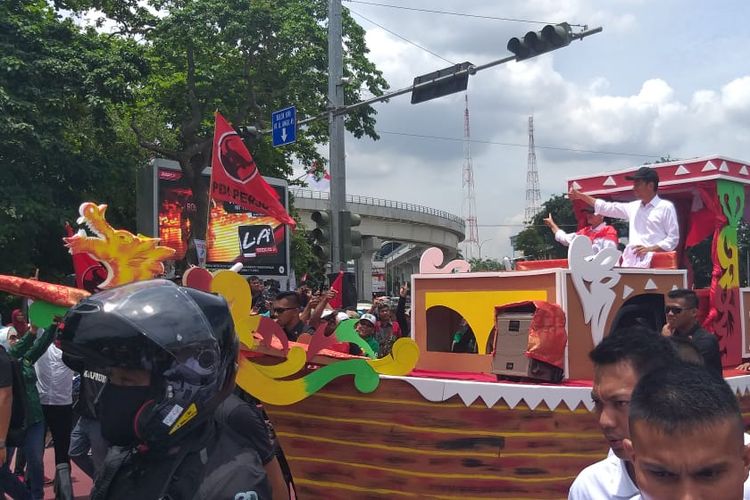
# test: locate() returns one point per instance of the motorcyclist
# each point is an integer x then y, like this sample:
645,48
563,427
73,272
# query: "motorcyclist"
171,356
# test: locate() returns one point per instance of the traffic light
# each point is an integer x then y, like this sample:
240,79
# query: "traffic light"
321,235
351,239
445,81
538,42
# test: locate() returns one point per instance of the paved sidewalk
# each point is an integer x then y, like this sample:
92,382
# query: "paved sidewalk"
81,482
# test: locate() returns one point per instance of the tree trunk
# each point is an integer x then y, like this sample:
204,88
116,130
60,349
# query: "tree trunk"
193,168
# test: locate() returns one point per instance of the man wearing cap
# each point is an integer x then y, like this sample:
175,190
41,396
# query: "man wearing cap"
653,221
366,329
601,234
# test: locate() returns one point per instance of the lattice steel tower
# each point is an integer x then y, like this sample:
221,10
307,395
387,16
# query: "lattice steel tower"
533,197
469,205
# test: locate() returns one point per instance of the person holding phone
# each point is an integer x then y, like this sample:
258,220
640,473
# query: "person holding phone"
402,315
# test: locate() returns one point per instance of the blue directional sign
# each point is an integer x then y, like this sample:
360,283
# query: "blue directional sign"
284,126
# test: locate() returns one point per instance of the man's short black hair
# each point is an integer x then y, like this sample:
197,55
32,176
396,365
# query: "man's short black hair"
383,306
293,297
681,397
253,278
690,297
645,349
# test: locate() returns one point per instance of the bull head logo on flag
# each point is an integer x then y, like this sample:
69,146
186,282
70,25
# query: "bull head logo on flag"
234,176
235,158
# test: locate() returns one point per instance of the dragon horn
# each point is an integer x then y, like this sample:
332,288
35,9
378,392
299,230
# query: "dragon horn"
58,295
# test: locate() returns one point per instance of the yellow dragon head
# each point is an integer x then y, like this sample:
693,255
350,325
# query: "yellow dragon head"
127,257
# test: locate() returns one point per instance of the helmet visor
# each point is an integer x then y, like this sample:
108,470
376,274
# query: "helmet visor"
158,309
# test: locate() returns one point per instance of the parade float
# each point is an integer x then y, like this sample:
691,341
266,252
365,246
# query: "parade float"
456,426
512,420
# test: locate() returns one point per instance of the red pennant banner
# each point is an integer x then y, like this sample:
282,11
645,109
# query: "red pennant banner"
338,286
235,177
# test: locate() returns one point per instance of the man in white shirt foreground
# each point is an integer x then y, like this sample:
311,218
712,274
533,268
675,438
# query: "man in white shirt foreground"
652,221
687,436
620,360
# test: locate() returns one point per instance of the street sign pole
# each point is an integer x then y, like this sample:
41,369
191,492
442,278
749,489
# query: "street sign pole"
336,158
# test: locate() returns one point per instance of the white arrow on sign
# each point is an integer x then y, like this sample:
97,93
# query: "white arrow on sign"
283,134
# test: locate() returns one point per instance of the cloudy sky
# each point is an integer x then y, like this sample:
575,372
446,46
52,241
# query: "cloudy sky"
665,77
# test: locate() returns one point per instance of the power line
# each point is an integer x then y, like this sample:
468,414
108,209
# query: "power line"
511,144
450,13
401,37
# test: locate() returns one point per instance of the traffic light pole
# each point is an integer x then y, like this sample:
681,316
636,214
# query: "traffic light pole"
337,166
337,110
341,109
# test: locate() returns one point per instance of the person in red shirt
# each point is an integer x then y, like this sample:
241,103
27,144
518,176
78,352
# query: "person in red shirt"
601,234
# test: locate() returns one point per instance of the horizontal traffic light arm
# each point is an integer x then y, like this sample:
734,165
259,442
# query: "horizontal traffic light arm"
471,70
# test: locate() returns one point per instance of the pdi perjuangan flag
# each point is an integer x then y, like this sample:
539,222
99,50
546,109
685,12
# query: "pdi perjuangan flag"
235,177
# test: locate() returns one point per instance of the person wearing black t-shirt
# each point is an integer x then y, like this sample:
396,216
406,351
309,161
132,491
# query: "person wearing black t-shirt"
681,312
9,483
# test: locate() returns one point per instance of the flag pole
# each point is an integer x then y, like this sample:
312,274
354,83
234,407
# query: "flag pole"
210,184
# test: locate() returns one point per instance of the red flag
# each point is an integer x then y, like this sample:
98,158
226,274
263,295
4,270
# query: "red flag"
90,273
338,287
235,177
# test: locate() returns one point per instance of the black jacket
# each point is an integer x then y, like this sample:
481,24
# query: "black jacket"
213,463
706,344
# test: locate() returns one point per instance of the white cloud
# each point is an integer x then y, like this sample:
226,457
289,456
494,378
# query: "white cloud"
637,88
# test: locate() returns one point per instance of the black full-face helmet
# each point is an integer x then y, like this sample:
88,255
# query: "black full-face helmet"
184,337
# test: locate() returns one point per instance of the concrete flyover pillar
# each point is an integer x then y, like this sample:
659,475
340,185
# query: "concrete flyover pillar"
364,268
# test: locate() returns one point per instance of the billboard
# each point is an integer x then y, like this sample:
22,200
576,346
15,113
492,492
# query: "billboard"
259,242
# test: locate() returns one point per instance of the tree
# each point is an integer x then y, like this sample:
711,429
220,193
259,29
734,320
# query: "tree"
61,139
244,58
478,265
537,241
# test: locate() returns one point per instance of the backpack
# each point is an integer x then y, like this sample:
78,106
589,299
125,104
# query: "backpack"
20,410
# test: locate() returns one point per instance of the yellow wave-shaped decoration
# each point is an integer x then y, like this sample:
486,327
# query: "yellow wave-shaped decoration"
295,361
402,359
287,392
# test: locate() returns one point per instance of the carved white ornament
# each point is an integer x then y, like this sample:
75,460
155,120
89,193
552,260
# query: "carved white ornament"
593,278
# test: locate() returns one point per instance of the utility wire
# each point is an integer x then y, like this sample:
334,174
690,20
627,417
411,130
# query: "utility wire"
555,148
401,37
449,13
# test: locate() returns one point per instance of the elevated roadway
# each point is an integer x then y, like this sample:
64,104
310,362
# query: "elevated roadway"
388,220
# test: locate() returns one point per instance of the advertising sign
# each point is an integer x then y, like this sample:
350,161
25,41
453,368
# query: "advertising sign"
235,235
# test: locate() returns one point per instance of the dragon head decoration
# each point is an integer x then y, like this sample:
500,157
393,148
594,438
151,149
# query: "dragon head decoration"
127,257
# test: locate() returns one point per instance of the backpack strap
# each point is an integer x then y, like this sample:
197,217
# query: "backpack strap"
116,456
225,409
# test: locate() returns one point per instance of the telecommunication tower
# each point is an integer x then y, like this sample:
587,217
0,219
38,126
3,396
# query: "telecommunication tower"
469,205
533,197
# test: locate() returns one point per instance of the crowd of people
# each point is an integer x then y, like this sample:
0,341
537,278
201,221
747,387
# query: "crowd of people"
135,386
303,310
83,394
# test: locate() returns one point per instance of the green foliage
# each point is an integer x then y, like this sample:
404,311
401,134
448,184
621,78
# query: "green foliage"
80,111
478,265
61,141
244,58
537,241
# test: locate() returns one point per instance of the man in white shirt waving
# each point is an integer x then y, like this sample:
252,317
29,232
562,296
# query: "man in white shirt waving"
653,221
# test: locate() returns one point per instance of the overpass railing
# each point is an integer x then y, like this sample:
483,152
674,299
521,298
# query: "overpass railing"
380,202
